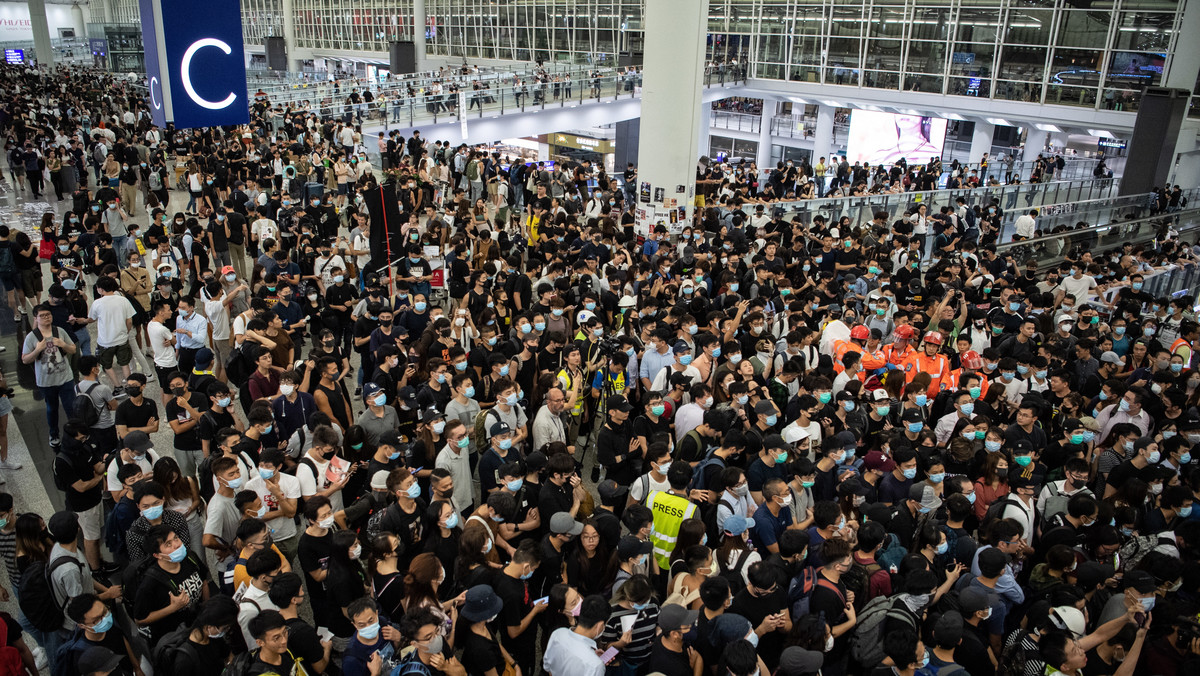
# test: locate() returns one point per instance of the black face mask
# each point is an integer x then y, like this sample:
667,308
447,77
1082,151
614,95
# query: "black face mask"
133,391
385,322
178,391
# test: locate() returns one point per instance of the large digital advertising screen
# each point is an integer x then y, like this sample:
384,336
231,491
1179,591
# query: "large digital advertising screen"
884,138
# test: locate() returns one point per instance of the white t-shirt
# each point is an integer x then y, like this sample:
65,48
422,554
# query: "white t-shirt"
647,484
218,317
146,463
160,340
264,229
1078,288
111,314
309,484
284,526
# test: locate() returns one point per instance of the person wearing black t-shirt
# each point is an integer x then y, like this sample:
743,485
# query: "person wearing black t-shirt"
137,412
313,553
516,624
207,649
270,632
174,584
218,416
305,644
96,621
405,517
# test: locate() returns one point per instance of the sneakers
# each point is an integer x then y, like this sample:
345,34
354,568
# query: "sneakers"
39,658
13,465
119,392
54,442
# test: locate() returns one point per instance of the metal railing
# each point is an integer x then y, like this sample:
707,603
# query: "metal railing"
422,83
1052,249
448,108
862,209
746,122
1104,209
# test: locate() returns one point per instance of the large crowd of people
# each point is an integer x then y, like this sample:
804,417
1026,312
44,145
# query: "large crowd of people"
531,439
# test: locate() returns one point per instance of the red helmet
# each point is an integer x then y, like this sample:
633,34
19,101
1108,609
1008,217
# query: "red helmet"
971,360
860,332
905,332
933,337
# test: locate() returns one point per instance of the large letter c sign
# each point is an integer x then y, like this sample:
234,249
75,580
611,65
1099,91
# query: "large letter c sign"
185,67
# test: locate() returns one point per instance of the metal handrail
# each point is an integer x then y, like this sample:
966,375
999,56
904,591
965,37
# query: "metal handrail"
443,108
1050,249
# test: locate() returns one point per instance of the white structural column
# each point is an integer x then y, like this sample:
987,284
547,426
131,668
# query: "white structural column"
763,157
981,141
41,33
1187,168
706,117
419,20
671,107
289,35
1185,58
823,138
77,17
1035,144
1058,141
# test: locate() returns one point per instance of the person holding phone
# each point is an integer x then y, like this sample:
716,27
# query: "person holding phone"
572,650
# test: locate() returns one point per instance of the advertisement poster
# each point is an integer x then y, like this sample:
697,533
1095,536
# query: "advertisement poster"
659,194
679,188
645,192
885,138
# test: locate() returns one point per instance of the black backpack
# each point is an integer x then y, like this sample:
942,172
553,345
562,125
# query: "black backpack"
995,512
164,652
240,666
734,573
84,407
37,599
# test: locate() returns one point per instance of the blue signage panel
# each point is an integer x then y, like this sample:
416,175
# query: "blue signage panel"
154,75
205,66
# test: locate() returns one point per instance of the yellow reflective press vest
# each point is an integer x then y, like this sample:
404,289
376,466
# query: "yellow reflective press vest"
669,512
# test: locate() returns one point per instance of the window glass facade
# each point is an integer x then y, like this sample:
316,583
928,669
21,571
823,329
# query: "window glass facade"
1023,50
1041,51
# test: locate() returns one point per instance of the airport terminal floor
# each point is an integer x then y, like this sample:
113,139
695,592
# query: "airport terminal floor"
320,395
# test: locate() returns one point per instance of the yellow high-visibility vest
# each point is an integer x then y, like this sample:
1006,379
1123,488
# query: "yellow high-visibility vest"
669,512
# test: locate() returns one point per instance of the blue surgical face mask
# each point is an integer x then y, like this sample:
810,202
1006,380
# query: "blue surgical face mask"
922,399
937,478
104,624
505,444
419,306
235,483
515,485
540,326
370,632
469,392
685,359
266,473
413,491
153,513
967,408
916,427
771,420
943,548
910,473
179,554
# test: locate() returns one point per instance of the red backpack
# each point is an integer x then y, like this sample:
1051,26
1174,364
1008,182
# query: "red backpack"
10,658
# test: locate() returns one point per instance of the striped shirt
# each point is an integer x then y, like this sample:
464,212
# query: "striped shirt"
645,625
8,549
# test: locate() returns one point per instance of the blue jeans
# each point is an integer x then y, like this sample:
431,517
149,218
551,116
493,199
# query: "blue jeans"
120,242
85,341
63,395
